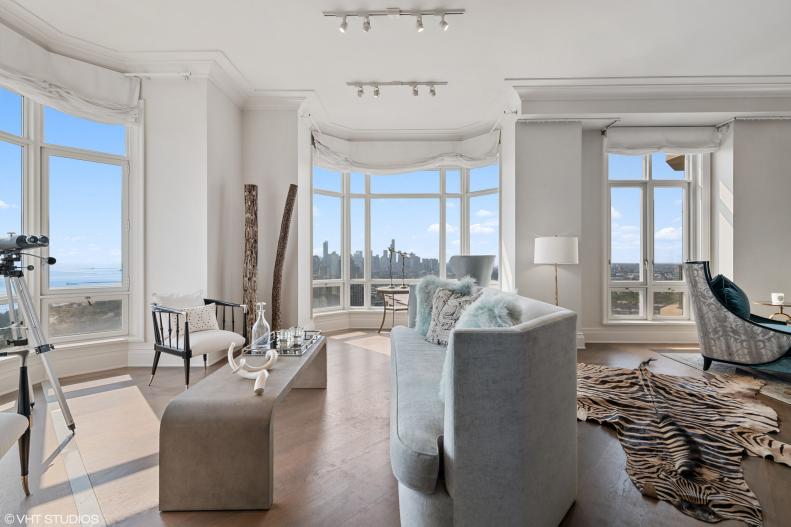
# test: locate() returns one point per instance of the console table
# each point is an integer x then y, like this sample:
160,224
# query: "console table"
216,438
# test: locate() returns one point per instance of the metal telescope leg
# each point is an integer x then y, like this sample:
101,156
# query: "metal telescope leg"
37,337
16,333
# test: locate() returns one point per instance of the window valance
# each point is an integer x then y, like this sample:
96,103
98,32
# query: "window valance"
669,139
66,84
393,157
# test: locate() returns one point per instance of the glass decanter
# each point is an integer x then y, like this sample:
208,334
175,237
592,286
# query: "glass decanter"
259,342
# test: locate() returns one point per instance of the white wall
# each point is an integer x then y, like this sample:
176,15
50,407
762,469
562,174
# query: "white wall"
548,197
269,159
592,243
225,197
722,206
176,192
762,208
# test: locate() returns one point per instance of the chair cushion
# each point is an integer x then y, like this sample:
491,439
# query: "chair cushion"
779,327
12,426
204,342
417,414
731,295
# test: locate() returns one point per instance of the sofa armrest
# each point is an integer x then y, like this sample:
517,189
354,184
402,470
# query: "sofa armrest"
510,443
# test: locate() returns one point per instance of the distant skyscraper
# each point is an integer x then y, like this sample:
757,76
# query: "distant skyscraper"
326,247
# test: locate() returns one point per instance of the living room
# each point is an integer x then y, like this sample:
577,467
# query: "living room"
512,263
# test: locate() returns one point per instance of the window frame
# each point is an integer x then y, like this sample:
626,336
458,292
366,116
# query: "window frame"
368,282
692,204
35,219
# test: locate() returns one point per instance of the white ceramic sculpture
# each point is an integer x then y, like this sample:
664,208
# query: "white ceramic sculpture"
247,371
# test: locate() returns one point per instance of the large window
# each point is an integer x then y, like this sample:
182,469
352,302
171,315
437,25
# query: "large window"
428,216
650,235
67,177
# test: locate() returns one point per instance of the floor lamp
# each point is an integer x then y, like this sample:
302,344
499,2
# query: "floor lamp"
556,250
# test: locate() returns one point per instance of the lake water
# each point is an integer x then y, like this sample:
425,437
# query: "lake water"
85,277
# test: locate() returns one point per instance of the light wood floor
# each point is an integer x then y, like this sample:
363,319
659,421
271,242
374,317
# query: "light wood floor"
331,452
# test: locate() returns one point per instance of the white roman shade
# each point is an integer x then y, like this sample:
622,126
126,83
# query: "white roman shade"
670,139
392,157
66,84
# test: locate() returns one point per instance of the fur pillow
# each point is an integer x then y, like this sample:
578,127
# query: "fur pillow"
497,310
447,307
424,297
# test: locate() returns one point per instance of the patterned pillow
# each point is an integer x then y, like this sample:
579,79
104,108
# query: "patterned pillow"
447,307
201,318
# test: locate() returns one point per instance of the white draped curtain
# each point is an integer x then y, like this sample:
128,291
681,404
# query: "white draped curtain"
66,84
635,140
393,157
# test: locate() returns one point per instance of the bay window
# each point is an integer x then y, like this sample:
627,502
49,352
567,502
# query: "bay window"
651,233
427,215
67,177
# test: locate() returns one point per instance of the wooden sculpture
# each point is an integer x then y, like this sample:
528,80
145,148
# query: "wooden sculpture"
282,242
250,271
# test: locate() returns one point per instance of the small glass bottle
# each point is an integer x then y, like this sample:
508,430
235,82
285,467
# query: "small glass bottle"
259,342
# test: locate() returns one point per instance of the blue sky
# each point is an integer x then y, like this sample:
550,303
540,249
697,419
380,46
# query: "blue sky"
626,211
413,222
85,197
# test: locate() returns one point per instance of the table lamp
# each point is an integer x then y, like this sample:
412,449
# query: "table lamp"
556,250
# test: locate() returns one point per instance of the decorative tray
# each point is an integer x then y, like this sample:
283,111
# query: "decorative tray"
296,350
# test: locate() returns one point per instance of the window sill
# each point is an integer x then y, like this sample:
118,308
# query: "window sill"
649,323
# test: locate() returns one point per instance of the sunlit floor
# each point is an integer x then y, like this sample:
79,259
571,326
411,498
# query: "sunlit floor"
332,465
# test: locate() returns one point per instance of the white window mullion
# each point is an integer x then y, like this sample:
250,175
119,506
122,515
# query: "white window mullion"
442,225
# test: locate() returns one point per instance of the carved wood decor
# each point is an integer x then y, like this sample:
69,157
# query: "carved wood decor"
282,242
684,437
250,271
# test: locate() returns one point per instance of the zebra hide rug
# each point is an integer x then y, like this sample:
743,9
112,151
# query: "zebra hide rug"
684,437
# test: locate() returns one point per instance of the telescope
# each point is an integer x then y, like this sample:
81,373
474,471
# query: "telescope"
18,242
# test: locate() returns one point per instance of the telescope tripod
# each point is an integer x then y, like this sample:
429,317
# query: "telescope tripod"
15,286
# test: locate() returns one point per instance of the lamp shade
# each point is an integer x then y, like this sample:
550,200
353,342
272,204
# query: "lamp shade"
556,250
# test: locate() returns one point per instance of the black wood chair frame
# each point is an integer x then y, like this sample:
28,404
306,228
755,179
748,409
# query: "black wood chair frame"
167,331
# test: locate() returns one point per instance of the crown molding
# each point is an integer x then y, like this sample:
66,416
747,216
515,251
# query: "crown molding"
263,100
668,88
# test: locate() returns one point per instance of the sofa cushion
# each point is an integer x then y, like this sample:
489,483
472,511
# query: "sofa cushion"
416,414
424,293
446,309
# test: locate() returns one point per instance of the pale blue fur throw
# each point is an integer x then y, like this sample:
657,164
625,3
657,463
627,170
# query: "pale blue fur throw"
491,311
424,293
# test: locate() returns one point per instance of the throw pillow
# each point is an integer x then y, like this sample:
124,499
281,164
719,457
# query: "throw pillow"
497,310
731,295
424,297
447,307
200,318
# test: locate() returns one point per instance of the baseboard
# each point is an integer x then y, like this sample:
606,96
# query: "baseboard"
342,320
637,335
141,355
66,361
580,340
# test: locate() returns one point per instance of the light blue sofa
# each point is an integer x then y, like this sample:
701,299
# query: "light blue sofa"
502,448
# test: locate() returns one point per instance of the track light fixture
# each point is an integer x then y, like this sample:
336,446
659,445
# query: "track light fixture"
415,85
394,13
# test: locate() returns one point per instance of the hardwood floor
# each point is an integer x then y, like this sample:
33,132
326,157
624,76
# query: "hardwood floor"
332,463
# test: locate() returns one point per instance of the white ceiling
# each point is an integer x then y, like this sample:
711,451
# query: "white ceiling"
289,45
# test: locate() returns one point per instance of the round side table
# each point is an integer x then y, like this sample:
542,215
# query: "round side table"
780,313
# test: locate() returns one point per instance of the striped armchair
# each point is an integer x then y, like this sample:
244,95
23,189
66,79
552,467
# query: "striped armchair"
727,335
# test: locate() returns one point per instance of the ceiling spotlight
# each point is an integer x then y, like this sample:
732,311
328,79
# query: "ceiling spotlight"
432,90
343,25
376,91
419,23
414,90
443,24
367,24
360,91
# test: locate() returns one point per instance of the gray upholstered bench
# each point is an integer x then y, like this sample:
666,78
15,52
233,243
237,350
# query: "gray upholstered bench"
216,439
